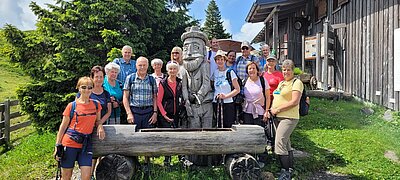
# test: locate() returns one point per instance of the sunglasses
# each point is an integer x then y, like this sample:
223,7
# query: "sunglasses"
174,62
86,87
174,53
245,48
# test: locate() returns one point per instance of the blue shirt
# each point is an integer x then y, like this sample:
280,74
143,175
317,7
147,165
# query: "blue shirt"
126,69
263,61
103,98
141,91
116,92
241,64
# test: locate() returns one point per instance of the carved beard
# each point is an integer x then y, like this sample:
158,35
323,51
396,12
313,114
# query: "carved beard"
192,63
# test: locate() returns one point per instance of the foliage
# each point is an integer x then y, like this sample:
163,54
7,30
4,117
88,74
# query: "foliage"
73,36
297,71
213,26
337,136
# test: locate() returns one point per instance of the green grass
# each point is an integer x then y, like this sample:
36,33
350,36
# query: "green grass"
11,79
336,134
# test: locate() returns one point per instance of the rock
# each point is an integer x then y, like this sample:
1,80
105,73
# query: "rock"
367,111
388,115
392,156
300,154
267,176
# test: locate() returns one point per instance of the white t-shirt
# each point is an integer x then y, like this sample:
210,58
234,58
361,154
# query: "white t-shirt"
222,85
213,65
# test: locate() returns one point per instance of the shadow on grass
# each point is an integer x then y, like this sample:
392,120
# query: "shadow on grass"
318,161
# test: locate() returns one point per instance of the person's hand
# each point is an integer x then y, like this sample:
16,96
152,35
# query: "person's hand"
130,118
153,118
221,96
114,102
274,111
55,154
266,116
100,132
168,119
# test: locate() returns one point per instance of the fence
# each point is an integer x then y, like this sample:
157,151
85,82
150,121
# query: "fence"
5,121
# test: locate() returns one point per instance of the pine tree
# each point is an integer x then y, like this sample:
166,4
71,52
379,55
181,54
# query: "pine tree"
213,26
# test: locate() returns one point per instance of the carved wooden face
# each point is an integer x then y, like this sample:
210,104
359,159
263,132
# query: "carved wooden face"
193,48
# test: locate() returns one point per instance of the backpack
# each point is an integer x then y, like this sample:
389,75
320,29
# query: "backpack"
72,112
303,105
239,98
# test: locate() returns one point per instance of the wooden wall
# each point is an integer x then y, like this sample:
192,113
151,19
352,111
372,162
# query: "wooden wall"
364,49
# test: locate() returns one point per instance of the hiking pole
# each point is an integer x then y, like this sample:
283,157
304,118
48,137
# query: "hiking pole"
220,112
58,174
59,154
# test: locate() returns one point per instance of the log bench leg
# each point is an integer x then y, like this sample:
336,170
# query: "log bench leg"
116,167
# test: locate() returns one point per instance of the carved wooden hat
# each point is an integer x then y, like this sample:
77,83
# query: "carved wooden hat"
194,32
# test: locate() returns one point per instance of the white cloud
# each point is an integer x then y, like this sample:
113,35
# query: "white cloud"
19,14
248,31
227,25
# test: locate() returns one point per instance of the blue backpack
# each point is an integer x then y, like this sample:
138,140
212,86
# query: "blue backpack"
72,112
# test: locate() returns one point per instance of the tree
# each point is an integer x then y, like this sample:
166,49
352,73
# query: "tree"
72,36
213,26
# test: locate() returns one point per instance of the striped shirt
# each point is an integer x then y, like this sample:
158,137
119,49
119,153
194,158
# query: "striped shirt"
126,69
241,64
141,91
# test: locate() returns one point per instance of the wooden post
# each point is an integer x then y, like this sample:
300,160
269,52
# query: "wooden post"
302,53
275,34
7,122
326,56
318,61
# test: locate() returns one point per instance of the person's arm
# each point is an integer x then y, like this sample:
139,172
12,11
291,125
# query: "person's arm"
234,92
160,97
107,115
125,100
100,130
153,118
296,95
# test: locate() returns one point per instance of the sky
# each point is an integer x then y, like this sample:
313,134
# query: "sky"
233,13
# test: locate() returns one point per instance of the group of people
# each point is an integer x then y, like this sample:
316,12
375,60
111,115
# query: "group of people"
123,92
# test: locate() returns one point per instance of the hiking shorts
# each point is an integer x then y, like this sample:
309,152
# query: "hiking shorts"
75,154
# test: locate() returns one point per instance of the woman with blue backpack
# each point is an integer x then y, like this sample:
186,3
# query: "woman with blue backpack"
73,142
225,90
285,107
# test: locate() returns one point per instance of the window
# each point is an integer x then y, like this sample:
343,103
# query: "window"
320,9
338,3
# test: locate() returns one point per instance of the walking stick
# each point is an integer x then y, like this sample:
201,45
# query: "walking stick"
220,110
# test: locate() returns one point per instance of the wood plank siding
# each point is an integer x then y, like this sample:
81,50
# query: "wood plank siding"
364,50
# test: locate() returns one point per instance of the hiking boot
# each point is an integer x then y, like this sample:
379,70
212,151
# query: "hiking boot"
286,174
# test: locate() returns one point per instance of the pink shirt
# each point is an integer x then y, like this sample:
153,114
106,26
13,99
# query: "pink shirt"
160,96
254,97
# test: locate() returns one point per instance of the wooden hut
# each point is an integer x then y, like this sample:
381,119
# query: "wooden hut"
356,36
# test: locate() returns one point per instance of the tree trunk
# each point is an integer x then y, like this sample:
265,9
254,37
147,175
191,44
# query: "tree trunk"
329,95
242,167
122,139
116,167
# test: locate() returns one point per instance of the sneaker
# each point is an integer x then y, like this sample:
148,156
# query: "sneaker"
285,175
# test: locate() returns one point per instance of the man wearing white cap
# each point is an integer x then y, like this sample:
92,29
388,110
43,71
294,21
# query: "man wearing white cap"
243,60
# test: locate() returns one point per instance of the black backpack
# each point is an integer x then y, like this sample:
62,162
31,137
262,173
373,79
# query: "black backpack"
239,98
303,105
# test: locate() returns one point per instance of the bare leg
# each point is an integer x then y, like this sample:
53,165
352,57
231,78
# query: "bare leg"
86,172
66,173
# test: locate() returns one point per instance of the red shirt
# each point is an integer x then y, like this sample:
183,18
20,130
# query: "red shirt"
273,80
85,124
160,96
